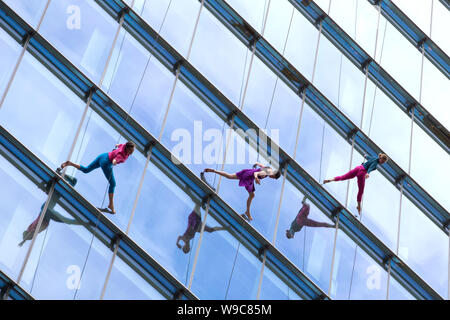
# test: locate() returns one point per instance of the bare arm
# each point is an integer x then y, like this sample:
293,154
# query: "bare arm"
259,165
178,241
256,175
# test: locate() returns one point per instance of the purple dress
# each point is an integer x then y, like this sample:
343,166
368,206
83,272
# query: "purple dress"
247,179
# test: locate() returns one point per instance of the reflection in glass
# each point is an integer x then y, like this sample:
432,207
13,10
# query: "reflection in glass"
20,201
50,215
311,249
194,225
302,220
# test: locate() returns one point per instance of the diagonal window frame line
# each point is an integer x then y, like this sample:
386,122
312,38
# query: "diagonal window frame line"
9,288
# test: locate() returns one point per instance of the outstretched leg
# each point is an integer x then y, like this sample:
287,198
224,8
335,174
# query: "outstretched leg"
109,174
212,229
93,165
223,173
361,184
316,224
56,216
349,175
251,195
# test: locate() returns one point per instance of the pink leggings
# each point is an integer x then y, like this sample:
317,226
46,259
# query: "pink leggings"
360,173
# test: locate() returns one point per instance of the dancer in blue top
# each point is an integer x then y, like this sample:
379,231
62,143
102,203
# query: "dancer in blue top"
362,173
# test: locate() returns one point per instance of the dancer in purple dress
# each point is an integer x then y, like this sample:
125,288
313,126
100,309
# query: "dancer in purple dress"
194,226
247,179
302,220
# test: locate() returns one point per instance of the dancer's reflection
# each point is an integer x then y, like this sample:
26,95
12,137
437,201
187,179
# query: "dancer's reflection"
302,220
194,226
51,214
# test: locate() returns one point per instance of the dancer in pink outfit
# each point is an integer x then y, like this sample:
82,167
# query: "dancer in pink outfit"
362,173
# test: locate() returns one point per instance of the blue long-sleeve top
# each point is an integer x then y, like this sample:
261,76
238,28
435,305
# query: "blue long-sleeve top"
371,164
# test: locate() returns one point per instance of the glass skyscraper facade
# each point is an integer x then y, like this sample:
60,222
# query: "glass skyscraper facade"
307,87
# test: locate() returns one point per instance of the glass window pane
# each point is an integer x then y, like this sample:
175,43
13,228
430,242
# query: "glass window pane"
30,11
405,67
83,32
440,27
220,56
225,270
285,109
10,51
397,292
344,13
380,217
277,25
424,247
356,275
339,80
139,83
125,284
436,93
310,248
55,268
297,52
21,201
58,109
429,167
272,288
391,133
418,11
192,130
178,24
253,11
327,161
259,93
162,214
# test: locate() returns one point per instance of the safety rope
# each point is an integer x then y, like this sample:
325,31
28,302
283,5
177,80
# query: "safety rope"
52,187
148,152
241,104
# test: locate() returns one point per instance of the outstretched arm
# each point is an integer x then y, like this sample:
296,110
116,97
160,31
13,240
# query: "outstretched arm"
259,165
178,241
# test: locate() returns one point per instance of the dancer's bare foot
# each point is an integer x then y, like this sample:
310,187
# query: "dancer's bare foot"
249,216
63,165
111,207
358,207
